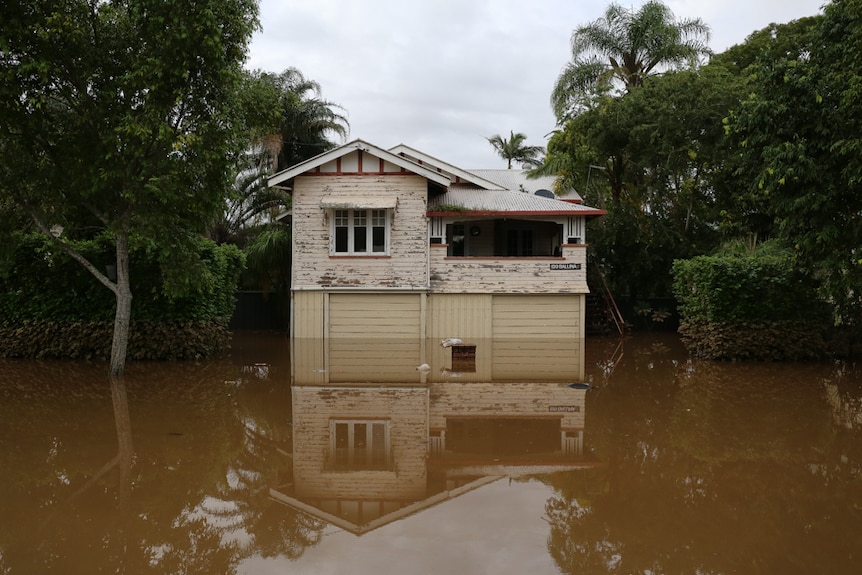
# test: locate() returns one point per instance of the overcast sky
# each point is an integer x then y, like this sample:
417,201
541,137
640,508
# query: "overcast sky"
443,75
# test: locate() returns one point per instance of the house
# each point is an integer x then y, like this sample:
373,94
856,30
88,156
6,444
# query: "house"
398,245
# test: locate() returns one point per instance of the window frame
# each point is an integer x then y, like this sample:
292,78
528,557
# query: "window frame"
353,457
348,219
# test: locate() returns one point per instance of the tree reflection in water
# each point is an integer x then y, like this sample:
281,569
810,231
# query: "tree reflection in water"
179,485
713,468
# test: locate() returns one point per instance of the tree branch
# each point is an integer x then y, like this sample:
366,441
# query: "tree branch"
70,251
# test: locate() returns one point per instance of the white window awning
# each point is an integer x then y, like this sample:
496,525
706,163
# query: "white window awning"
359,202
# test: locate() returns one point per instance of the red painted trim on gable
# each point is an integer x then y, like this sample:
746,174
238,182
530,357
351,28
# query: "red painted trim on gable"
388,174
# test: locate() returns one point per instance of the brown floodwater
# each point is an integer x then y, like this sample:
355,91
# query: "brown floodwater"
639,460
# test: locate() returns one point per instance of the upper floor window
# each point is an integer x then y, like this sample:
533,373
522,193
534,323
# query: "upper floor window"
360,232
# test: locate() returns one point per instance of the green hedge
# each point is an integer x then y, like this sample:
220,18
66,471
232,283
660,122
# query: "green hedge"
749,307
50,306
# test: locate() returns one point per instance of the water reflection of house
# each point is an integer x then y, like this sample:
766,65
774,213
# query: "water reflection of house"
397,244
368,451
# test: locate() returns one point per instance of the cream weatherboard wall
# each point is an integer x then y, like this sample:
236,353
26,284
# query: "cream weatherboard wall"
405,266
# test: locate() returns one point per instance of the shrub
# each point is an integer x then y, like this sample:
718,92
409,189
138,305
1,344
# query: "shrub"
50,306
749,306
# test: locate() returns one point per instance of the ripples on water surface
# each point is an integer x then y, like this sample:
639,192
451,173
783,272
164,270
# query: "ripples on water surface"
665,465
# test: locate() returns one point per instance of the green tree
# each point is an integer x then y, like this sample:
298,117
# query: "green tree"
657,160
306,124
799,139
625,46
513,148
773,42
121,116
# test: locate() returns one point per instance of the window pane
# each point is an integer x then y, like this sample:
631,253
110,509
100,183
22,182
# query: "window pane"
341,239
360,241
378,239
360,231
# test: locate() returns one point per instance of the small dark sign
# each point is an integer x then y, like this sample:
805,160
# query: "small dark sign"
564,408
565,266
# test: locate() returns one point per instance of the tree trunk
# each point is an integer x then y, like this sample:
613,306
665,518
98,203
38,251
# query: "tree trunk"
124,307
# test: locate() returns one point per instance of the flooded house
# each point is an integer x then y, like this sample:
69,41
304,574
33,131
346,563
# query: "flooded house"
398,245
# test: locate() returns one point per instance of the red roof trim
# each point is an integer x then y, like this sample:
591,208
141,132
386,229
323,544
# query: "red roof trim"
592,212
323,174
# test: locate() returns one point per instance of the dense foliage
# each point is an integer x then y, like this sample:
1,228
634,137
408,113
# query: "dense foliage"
799,139
657,161
761,143
758,306
54,308
122,118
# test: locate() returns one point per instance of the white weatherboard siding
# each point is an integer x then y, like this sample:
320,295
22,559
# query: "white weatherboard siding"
393,321
523,328
509,275
466,316
404,267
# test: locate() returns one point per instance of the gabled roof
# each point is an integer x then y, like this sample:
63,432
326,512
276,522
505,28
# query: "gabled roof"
472,202
335,153
454,172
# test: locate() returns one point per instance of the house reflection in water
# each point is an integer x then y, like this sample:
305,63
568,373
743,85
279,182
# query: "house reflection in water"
376,439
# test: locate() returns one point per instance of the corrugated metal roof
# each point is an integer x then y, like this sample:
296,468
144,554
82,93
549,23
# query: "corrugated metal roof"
469,199
446,168
518,181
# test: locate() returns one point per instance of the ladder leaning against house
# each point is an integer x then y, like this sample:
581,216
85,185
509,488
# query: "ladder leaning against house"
608,310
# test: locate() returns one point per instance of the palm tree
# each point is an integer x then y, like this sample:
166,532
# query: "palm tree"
513,148
625,47
250,203
287,121
308,122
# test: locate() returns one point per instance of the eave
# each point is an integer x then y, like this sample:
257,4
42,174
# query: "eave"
321,159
